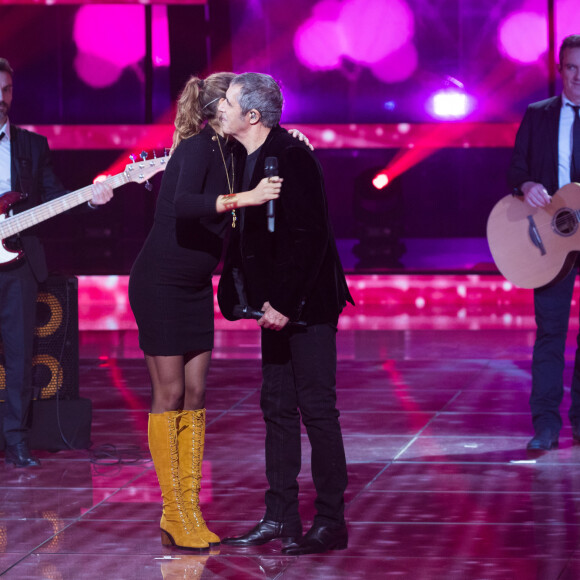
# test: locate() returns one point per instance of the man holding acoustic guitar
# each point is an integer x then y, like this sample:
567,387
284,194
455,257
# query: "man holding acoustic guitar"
546,158
25,168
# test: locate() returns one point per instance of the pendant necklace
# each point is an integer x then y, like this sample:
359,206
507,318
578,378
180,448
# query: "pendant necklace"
230,182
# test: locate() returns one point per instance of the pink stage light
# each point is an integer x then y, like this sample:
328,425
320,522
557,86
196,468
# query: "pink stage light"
373,29
523,36
381,180
108,38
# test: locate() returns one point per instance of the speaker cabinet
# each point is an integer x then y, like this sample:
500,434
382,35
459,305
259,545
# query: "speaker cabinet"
55,362
59,419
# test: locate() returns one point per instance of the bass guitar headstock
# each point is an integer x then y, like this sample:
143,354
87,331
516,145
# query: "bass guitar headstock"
140,171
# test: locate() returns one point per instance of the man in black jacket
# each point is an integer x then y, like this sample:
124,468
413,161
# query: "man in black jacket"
543,162
25,167
293,274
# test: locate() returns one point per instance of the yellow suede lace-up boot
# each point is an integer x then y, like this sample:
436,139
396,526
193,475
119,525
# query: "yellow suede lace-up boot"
191,440
176,527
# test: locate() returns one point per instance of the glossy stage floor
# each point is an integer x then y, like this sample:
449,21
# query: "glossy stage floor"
433,382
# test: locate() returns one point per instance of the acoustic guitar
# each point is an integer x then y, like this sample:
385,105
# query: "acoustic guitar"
535,247
138,172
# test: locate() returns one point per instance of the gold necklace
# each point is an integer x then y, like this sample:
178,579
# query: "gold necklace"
230,183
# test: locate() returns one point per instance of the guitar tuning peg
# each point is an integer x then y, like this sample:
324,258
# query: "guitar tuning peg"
132,158
143,155
148,185
154,154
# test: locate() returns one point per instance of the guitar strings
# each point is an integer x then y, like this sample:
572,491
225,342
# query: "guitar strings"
558,220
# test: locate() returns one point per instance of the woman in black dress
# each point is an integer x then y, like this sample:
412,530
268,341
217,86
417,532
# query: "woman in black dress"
171,296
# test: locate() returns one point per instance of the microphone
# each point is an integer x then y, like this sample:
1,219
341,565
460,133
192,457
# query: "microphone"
248,313
270,170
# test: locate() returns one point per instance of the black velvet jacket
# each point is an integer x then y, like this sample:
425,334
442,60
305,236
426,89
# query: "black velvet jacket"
296,268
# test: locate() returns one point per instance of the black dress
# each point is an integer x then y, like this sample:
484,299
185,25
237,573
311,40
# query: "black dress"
170,288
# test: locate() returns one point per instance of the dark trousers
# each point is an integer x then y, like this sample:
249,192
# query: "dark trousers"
18,291
552,307
299,380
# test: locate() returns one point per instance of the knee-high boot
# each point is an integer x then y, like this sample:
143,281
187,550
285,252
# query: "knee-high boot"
191,440
177,529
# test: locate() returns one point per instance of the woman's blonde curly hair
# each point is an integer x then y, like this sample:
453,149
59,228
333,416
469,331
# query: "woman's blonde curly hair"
198,103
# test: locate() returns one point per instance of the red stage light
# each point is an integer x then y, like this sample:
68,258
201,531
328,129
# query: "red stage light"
381,180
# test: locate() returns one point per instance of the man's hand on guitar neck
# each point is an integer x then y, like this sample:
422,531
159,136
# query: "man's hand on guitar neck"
102,193
535,194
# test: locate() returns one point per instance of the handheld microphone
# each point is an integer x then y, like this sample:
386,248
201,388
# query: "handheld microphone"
270,170
248,313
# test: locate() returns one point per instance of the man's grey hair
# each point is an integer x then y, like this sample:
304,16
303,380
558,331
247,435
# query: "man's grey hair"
261,92
5,67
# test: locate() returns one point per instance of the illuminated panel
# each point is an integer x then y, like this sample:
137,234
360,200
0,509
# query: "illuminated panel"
133,138
383,302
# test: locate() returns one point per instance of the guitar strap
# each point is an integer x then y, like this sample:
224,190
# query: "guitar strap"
21,173
21,163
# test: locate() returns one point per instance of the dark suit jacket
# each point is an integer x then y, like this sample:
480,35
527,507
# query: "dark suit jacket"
535,156
296,268
32,174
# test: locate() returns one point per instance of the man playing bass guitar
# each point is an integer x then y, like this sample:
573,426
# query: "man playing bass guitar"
24,167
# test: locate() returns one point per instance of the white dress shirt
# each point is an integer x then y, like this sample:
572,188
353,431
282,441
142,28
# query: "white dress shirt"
565,142
5,166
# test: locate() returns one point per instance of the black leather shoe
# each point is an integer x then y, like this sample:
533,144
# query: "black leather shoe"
265,531
319,538
544,440
19,456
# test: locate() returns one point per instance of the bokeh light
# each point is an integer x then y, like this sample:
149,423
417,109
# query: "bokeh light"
397,66
373,33
373,29
318,44
523,36
108,38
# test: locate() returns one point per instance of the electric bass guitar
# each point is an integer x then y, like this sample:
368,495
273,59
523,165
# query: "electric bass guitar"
138,172
534,247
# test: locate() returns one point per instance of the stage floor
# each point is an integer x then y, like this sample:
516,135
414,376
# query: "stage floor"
433,382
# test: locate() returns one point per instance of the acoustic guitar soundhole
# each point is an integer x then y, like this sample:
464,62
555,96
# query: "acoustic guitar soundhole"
565,222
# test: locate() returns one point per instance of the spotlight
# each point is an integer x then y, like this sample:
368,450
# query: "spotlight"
378,220
381,180
450,104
